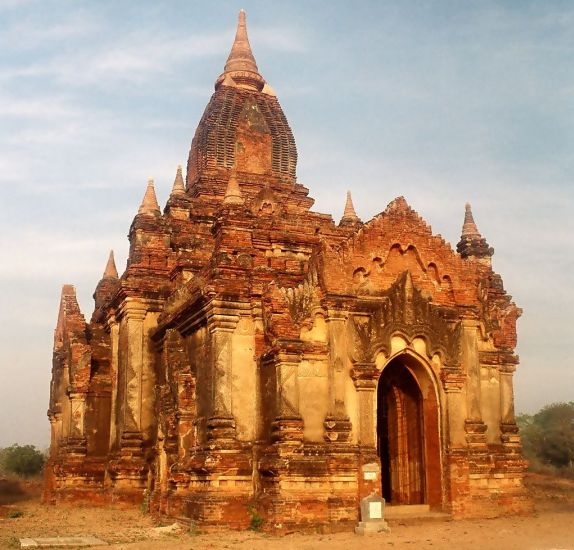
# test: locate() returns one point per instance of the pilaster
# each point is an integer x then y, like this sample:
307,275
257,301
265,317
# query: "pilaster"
337,425
365,377
474,426
112,327
221,423
76,441
287,427
129,467
508,428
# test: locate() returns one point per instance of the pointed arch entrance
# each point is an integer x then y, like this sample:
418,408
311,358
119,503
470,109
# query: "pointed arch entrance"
408,434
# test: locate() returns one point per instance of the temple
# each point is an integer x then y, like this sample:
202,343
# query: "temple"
255,357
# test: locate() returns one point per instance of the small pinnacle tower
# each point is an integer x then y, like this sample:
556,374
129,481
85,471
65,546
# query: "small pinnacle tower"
233,192
472,244
350,217
177,205
178,185
111,272
106,287
149,203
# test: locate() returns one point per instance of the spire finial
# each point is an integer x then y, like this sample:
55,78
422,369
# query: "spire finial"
149,203
110,272
472,243
178,185
349,215
233,192
469,228
349,208
241,69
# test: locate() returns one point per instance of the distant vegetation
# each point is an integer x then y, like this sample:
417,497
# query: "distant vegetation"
548,438
22,460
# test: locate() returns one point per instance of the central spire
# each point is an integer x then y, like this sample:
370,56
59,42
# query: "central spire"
241,57
241,69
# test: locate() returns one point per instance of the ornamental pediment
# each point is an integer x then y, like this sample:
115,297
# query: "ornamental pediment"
407,311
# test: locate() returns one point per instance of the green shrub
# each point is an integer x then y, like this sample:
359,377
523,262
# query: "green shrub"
548,437
256,520
23,460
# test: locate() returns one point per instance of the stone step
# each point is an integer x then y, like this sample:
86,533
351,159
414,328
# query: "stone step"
412,511
60,542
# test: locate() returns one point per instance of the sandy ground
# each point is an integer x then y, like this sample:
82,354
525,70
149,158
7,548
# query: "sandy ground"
552,528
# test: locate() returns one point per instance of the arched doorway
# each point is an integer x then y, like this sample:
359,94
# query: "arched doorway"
407,434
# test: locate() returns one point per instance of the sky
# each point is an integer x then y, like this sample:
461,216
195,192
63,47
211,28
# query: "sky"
442,102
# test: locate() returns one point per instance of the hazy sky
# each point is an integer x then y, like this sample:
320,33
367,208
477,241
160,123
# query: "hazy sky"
443,102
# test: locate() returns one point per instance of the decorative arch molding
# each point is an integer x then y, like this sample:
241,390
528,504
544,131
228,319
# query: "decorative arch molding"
404,249
404,311
417,364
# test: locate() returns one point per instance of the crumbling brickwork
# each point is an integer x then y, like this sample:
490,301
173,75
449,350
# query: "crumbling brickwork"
255,355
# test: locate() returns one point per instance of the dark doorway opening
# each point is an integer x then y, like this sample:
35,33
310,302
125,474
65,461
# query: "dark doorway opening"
400,435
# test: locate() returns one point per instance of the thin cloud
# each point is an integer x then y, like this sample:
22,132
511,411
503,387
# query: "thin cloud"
6,5
278,38
33,32
135,58
38,107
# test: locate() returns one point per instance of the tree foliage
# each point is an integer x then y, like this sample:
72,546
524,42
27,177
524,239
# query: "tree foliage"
24,460
548,435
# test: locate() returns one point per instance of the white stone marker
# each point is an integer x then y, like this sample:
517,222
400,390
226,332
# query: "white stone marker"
372,516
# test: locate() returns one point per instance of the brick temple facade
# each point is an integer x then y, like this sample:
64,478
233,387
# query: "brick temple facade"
256,357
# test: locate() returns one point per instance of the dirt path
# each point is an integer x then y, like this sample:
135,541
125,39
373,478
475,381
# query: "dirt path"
552,528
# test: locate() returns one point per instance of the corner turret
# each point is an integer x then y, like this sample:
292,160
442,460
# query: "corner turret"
149,238
177,205
107,285
472,244
149,205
